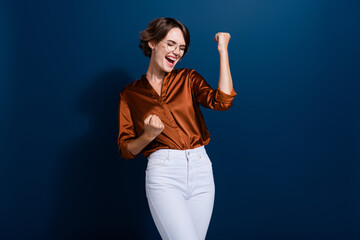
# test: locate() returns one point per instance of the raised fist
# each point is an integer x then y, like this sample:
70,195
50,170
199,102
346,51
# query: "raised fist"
153,126
222,38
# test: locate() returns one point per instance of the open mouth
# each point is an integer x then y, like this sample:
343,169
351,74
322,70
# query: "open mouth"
170,60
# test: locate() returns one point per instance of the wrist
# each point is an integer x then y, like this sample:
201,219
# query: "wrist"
223,51
147,137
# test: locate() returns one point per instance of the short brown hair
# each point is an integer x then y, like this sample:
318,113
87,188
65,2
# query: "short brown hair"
157,30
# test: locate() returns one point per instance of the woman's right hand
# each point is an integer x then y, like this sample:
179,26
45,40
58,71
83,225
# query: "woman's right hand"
153,126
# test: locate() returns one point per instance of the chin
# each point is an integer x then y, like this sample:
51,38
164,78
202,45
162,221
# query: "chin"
168,69
165,67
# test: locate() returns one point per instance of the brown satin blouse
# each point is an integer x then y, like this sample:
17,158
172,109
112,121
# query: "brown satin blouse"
177,107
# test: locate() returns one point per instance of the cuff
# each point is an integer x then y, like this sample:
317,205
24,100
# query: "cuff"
124,151
220,96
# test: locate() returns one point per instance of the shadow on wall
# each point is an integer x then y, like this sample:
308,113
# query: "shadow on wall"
101,195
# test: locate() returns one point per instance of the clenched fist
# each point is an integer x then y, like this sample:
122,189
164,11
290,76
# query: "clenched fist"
222,38
153,126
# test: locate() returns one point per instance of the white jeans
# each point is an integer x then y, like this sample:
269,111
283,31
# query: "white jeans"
180,191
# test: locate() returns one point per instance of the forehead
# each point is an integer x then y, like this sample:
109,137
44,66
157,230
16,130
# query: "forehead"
175,34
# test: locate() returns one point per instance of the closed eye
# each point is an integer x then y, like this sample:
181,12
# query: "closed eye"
174,43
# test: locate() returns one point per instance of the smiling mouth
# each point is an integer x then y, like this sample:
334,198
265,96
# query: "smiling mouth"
170,60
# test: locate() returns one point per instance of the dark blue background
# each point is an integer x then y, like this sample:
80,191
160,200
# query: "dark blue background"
285,156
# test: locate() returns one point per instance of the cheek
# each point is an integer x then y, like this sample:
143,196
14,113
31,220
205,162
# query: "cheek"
160,59
159,55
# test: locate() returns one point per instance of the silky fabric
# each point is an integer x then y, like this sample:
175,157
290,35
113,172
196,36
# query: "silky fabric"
180,191
177,107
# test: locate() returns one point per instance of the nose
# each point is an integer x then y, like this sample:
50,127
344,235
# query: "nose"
177,50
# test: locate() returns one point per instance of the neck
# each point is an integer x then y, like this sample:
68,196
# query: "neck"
154,72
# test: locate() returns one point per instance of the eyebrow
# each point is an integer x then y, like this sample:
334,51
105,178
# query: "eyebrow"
176,43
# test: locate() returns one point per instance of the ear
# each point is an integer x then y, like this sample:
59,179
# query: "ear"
151,44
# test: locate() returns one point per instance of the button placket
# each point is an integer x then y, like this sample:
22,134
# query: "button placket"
167,111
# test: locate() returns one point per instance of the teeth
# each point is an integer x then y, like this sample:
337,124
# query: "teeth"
172,58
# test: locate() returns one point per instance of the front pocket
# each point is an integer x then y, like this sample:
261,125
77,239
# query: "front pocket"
154,163
203,157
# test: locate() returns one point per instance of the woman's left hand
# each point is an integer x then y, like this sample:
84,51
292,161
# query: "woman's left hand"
222,38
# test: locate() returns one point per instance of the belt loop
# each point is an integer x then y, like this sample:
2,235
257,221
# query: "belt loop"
168,155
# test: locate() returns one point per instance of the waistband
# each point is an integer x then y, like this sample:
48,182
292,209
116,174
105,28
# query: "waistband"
178,153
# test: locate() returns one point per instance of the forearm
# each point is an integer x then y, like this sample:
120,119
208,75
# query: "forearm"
225,80
137,145
153,127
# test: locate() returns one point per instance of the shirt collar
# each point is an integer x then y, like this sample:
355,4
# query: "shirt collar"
164,84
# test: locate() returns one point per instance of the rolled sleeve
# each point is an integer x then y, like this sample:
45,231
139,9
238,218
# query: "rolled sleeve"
124,151
208,97
220,96
126,130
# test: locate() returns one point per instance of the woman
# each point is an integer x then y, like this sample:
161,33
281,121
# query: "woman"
159,116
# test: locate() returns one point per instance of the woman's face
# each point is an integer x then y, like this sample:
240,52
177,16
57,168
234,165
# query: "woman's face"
168,51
